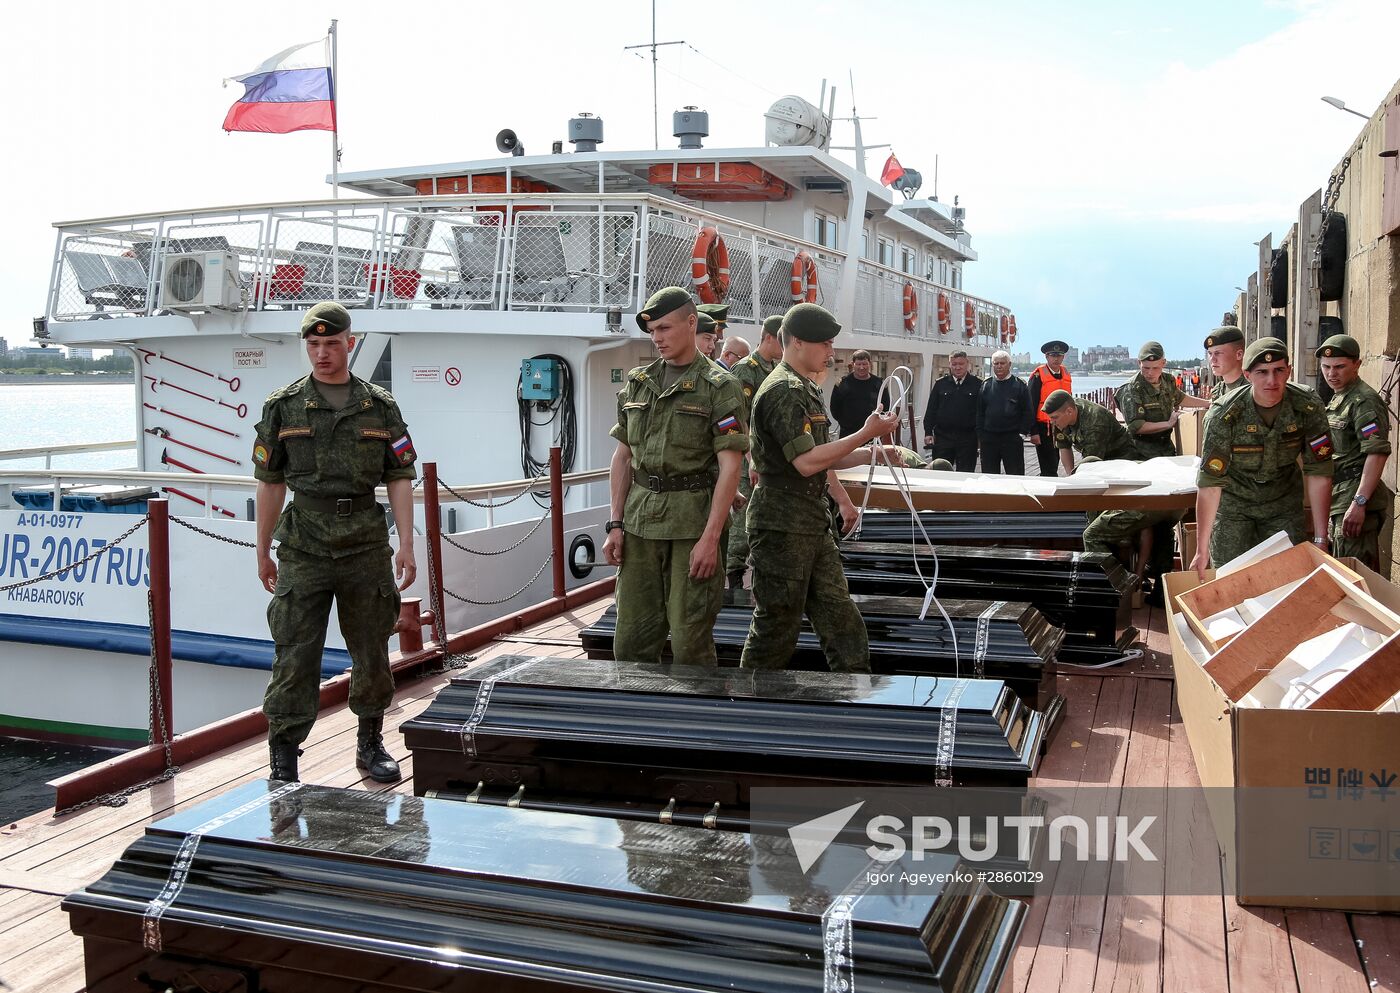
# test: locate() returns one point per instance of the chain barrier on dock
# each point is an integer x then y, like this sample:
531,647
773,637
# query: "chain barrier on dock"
506,599
210,534
509,548
483,504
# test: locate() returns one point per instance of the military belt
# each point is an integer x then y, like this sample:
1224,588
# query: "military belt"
340,506
675,484
1349,472
807,485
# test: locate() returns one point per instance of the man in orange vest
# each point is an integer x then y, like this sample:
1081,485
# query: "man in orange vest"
1045,380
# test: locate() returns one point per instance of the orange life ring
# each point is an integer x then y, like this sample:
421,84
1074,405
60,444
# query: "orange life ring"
969,318
945,314
911,307
1005,328
804,279
1012,319
709,267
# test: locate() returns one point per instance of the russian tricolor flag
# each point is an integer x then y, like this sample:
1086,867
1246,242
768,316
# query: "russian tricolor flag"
292,91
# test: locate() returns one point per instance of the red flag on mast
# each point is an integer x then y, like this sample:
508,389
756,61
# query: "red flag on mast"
892,171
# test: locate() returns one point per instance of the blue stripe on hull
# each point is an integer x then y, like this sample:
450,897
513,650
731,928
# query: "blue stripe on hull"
130,639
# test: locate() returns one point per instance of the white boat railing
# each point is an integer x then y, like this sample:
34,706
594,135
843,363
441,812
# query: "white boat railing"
205,486
588,253
47,452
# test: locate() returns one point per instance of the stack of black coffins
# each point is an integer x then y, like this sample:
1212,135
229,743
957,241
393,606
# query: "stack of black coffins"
1062,530
285,888
1088,595
1010,641
688,744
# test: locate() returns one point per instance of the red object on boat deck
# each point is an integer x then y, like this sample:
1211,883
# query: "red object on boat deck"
402,283
724,181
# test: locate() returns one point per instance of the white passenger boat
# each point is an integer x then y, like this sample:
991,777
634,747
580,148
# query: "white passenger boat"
456,273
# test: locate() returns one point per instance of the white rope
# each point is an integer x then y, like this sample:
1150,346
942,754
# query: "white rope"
893,397
1131,655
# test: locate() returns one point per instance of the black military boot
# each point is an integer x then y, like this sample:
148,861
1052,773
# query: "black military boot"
282,761
370,753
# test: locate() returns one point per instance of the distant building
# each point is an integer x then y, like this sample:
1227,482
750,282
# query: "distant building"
32,352
1106,353
4,347
80,353
1072,358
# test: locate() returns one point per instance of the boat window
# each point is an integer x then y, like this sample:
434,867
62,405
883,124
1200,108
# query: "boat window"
865,245
825,233
886,250
957,278
908,261
931,270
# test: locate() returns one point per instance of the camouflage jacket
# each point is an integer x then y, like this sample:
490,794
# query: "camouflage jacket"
751,371
1258,464
678,432
1360,426
1097,433
789,418
1140,402
1222,388
312,449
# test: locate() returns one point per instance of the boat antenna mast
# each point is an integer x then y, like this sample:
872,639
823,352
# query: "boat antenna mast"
654,45
860,147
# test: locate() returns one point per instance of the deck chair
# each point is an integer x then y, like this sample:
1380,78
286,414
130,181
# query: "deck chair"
108,280
477,248
350,266
539,272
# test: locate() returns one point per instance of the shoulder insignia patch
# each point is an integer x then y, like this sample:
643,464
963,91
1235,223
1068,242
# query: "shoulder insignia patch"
260,454
748,390
1216,467
806,426
1369,429
403,448
1321,445
1142,409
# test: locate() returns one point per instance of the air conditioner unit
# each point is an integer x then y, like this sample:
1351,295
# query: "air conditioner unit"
199,281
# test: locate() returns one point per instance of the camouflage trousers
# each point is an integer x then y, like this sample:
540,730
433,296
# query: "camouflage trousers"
793,574
1365,546
737,558
367,604
656,597
1112,527
1239,528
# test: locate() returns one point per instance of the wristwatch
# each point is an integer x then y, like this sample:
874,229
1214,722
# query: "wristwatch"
1359,500
610,526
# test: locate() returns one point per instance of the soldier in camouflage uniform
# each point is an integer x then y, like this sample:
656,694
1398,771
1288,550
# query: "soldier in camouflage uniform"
1225,352
750,372
796,564
1151,404
680,441
1249,485
1360,427
714,319
1092,429
331,438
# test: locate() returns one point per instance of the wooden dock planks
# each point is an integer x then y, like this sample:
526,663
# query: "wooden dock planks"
1120,729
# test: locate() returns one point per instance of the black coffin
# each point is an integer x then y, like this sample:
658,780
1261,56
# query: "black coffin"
1089,595
297,889
1063,530
582,734
1012,642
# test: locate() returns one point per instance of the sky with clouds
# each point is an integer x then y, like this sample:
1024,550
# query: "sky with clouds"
1117,158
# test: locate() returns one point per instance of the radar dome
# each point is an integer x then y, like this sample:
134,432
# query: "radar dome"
793,121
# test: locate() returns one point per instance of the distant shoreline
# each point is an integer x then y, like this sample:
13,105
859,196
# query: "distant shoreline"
60,380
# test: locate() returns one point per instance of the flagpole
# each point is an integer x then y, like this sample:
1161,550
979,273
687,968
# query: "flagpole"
335,115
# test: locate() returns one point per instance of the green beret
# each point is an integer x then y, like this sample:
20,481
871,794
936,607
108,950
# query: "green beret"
661,303
810,322
718,311
325,319
941,465
705,324
1339,346
772,325
1264,350
1054,346
1056,400
1224,335
1151,352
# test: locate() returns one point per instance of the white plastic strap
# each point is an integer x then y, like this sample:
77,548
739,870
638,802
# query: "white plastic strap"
483,697
839,972
979,650
947,735
184,859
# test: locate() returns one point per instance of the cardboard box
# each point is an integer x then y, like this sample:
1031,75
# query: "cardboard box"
1210,598
1244,754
